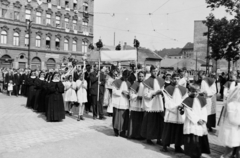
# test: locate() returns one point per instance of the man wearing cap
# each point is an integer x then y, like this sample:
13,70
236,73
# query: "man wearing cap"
173,120
152,125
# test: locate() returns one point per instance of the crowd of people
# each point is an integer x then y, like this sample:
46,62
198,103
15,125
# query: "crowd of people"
144,104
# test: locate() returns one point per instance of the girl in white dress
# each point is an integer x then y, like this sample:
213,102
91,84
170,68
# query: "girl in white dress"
81,95
70,95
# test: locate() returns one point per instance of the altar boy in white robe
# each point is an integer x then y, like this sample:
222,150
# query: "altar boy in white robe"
195,129
209,89
152,125
120,101
136,107
173,120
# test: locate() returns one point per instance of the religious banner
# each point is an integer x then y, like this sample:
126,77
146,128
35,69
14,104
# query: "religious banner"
124,55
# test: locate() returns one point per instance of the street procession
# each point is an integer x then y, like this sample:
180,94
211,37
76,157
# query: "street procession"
66,91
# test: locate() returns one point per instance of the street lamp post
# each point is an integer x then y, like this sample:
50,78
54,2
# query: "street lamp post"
29,25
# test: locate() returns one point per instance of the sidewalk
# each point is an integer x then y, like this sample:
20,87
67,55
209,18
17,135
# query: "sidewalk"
26,134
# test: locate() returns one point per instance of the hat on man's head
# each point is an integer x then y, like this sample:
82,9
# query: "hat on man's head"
194,87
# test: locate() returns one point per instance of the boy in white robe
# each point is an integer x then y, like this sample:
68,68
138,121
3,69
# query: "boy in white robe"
195,129
173,120
120,101
152,125
209,89
136,107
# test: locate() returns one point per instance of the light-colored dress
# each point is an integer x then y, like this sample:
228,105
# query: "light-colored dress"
109,87
81,92
70,95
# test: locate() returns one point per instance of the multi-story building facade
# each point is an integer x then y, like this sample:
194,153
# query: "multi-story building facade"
58,28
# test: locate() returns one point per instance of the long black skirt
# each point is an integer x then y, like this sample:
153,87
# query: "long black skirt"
172,134
120,119
152,125
31,97
211,122
55,111
135,124
194,145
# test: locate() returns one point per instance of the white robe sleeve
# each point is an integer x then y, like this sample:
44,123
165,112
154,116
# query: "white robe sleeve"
133,95
147,93
117,92
233,113
204,114
191,116
85,84
169,103
74,85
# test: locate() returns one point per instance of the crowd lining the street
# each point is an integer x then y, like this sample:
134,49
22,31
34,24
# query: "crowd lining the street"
144,104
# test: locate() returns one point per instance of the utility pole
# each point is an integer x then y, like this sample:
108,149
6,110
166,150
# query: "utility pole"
29,25
114,37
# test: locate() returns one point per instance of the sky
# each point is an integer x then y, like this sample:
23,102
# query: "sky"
157,24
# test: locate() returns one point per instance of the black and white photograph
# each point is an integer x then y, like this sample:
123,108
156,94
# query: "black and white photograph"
119,78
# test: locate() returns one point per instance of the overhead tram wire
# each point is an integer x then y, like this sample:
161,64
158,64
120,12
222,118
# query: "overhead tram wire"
159,7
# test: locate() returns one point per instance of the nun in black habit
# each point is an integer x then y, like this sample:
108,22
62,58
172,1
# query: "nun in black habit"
55,104
31,89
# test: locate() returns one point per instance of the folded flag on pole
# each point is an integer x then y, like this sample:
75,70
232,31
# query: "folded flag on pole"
124,55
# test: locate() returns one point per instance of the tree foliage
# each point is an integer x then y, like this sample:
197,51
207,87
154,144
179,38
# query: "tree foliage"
230,5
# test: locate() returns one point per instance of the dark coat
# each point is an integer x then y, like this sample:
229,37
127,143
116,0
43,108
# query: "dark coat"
17,79
31,92
94,83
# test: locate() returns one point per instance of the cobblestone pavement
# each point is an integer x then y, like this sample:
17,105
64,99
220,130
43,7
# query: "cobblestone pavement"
26,134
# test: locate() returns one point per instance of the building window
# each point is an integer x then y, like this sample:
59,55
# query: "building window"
66,44
26,41
48,42
16,39
48,1
75,4
74,24
84,47
66,4
85,7
39,18
85,23
66,23
58,21
16,16
38,41
28,14
4,37
57,43
48,21
74,46
4,13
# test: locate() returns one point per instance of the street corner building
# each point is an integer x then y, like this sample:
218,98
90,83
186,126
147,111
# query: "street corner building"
56,29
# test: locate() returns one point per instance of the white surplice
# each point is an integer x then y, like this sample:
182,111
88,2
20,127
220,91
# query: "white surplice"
193,115
70,94
136,104
172,114
210,91
119,101
227,90
152,104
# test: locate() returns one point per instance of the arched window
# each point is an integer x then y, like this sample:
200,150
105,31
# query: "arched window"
4,37
84,47
85,6
66,44
48,42
57,43
38,41
28,14
26,41
39,18
51,64
74,46
16,39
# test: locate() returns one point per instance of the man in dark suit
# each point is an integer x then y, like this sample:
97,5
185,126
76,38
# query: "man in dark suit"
17,80
87,78
97,104
77,73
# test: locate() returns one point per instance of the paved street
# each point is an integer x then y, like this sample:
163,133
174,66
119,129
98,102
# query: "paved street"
26,134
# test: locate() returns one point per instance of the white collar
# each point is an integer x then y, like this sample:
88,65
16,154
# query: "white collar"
55,80
42,79
33,77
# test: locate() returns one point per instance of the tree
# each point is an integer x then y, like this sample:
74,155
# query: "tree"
230,5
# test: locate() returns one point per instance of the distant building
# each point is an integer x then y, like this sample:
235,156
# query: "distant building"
59,28
177,53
